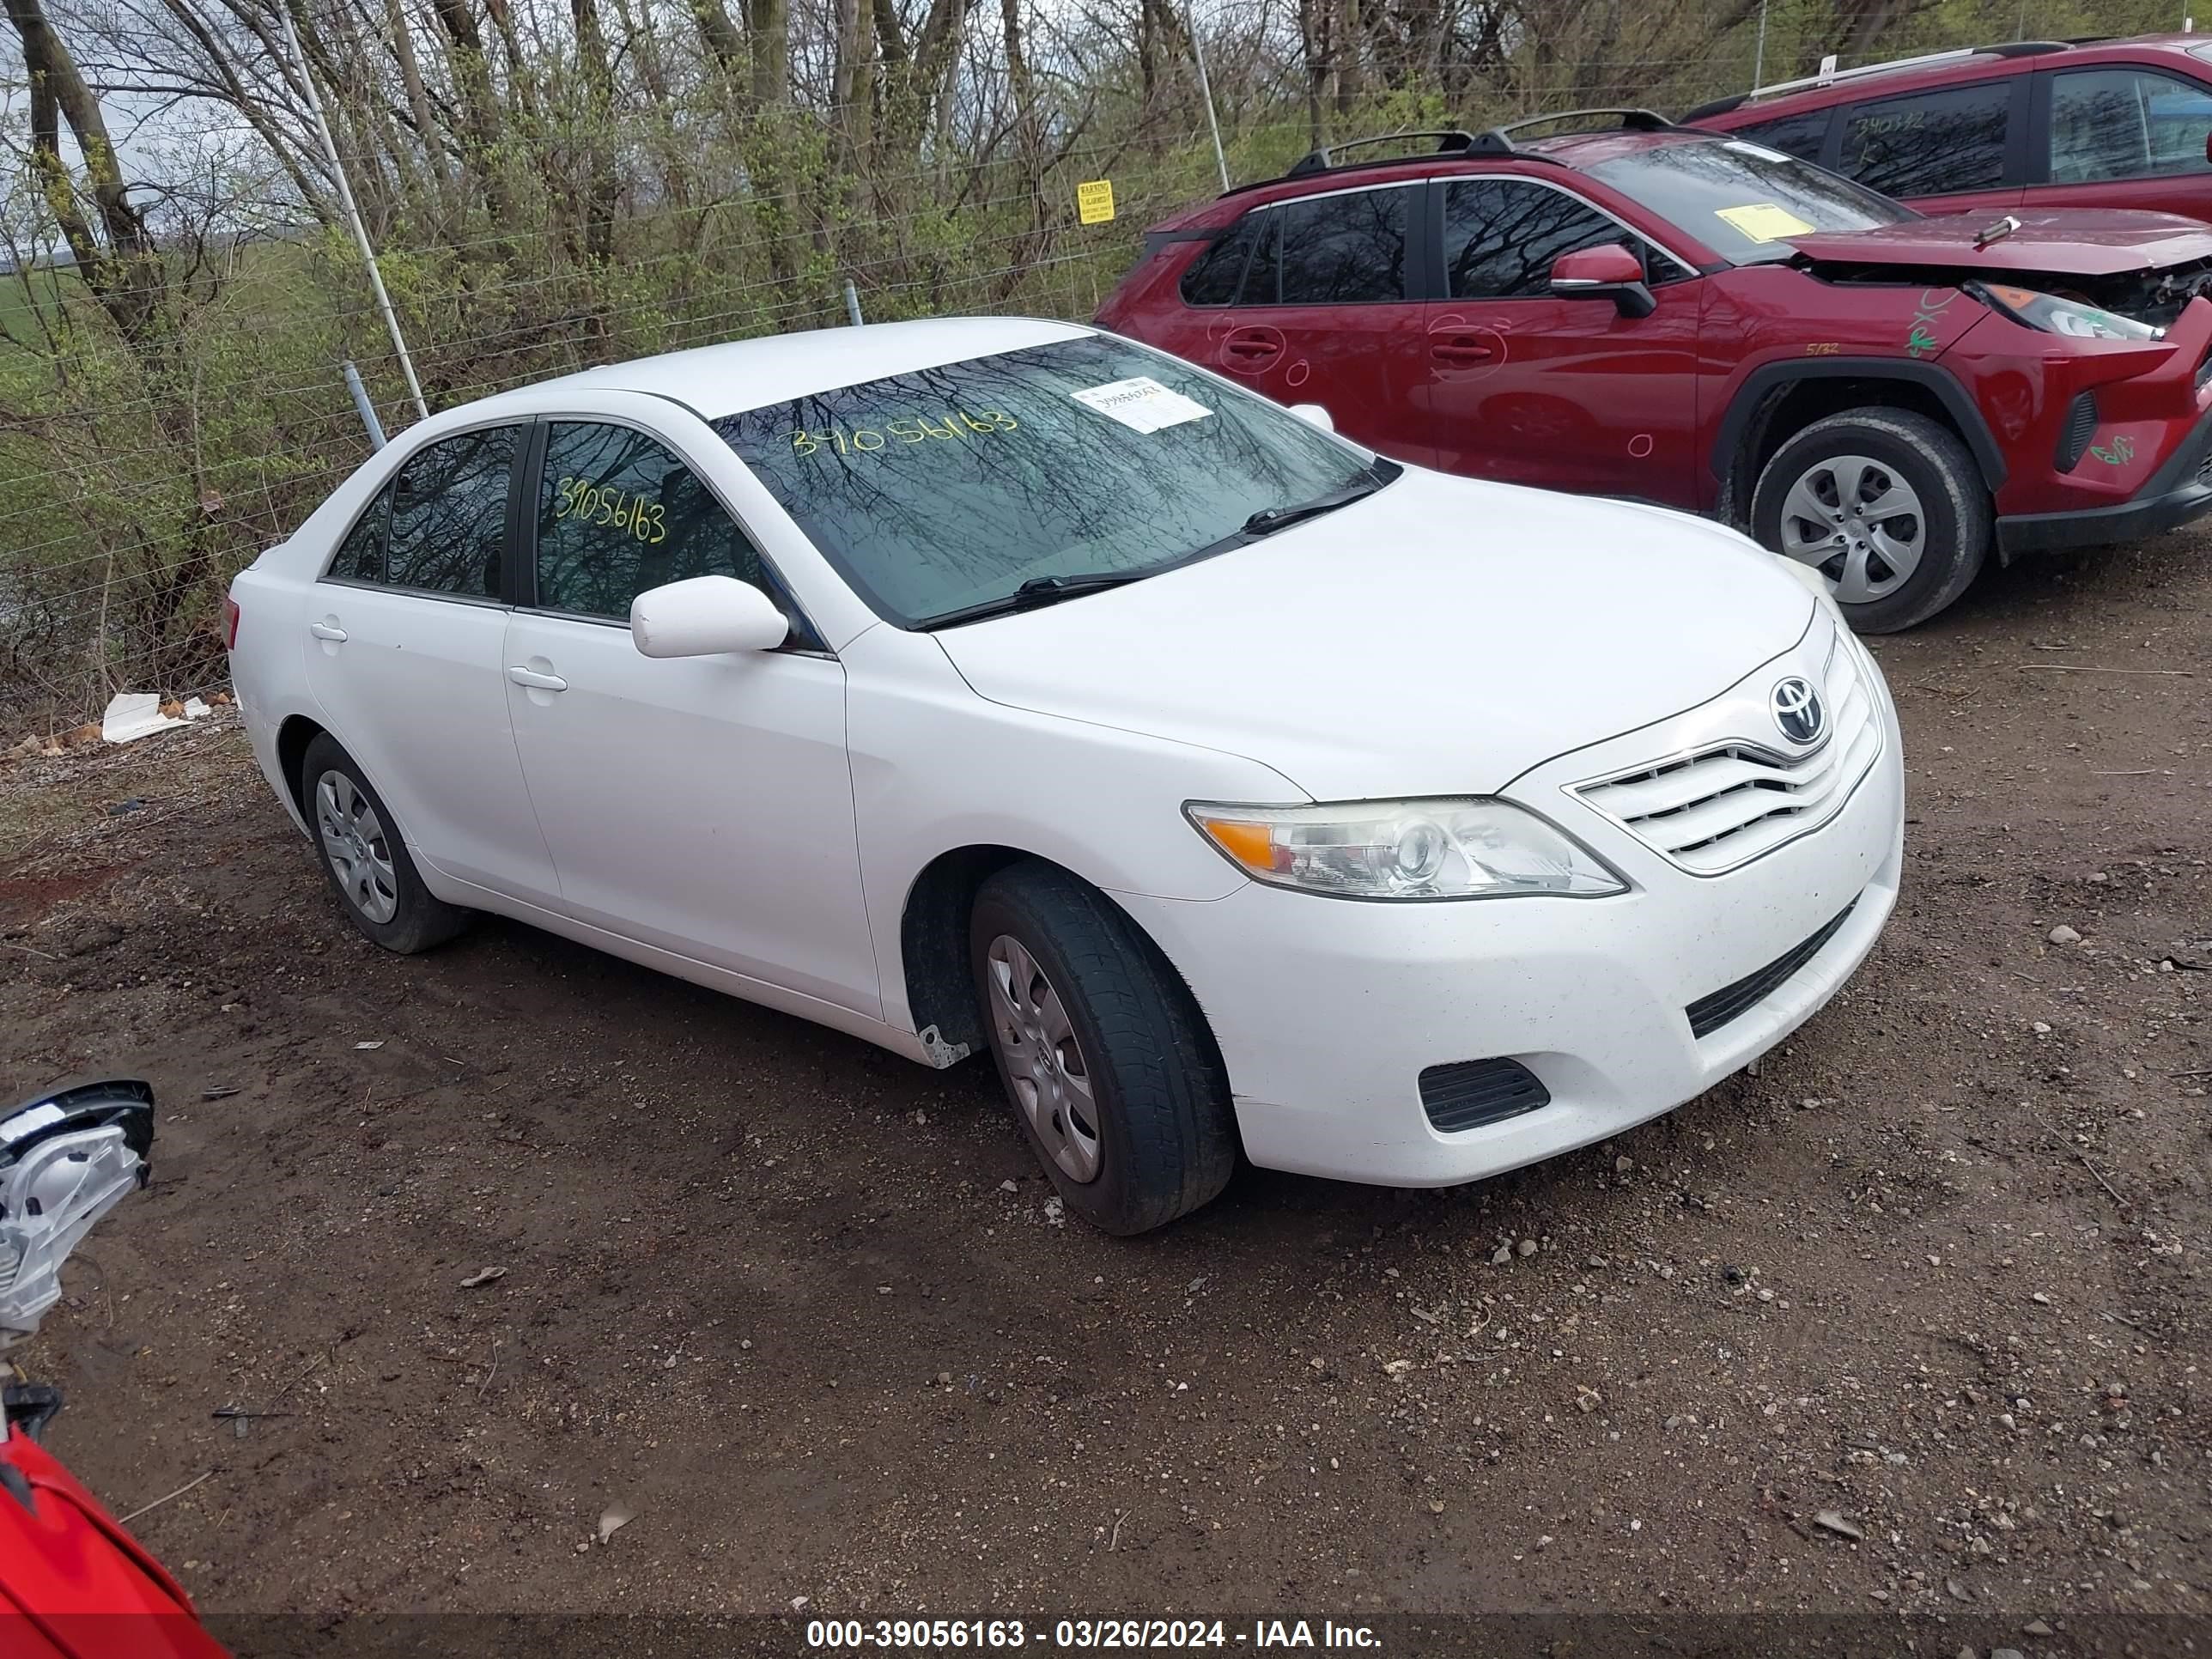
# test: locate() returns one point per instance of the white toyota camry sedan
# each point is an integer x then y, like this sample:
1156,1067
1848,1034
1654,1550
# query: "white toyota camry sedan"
990,684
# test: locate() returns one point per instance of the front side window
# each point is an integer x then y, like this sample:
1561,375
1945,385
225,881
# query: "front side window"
2126,124
1930,143
617,514
1502,236
449,515
1340,250
1741,199
948,489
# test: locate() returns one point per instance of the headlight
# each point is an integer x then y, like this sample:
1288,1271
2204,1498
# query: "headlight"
1451,848
2050,314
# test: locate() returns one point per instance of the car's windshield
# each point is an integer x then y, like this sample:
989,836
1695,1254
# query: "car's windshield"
1743,199
943,490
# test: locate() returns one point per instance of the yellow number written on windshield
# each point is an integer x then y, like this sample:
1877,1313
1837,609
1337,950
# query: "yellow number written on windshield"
914,429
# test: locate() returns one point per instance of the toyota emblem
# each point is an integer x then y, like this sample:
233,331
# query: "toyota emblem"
1798,711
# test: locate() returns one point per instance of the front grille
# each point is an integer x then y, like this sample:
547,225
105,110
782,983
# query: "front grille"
2080,426
1723,807
1709,1013
1469,1093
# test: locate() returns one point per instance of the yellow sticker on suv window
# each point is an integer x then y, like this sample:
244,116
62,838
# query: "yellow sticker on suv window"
1763,222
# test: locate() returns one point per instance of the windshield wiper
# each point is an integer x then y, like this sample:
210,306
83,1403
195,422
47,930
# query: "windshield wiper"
1037,591
1269,519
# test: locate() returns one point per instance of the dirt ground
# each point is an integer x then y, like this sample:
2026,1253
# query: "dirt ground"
1908,1326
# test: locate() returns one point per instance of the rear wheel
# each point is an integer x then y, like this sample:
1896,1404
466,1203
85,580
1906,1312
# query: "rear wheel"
366,858
1102,1050
1887,504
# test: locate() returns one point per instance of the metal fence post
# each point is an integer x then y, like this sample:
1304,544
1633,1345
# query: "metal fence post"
361,404
853,303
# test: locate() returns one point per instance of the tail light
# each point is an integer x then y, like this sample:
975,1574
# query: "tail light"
229,624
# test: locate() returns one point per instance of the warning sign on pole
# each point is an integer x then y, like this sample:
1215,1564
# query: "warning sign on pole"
1094,201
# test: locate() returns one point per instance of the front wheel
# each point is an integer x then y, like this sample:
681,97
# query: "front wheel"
1887,504
1112,1073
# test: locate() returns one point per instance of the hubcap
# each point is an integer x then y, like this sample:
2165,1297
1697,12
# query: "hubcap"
1044,1063
354,841
1858,524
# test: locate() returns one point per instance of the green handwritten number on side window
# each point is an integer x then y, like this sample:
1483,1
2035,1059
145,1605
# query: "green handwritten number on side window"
579,498
911,429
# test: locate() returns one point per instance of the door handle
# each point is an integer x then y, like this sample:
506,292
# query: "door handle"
330,631
1460,351
536,681
1251,348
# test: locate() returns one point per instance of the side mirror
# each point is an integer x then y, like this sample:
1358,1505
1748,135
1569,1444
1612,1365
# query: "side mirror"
705,616
1315,415
1611,272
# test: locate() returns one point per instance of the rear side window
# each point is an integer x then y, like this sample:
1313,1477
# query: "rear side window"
2126,124
617,514
1215,276
449,515
1932,143
1344,249
361,554
1501,235
1802,135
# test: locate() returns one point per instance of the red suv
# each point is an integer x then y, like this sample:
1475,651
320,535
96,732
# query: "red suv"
1706,323
2037,123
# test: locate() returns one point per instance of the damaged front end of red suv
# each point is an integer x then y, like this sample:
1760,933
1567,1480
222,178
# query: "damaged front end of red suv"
2082,340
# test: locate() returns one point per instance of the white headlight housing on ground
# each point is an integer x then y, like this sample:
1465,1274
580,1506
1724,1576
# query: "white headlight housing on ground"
1452,848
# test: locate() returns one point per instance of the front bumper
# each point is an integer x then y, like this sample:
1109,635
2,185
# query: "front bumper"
2177,493
1327,1011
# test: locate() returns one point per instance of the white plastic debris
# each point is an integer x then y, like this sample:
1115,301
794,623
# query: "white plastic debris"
134,714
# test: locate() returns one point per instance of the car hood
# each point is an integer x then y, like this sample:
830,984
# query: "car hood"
2084,241
1440,637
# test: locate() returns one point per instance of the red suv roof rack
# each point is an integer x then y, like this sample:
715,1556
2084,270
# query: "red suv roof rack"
1499,140
1449,141
1955,54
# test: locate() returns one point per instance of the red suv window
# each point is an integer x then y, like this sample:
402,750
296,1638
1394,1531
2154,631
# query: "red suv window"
1929,141
2123,123
1804,134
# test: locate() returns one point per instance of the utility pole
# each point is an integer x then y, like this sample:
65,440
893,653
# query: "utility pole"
353,213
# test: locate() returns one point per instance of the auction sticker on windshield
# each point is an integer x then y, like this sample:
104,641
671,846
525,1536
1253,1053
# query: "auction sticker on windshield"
1763,222
1141,403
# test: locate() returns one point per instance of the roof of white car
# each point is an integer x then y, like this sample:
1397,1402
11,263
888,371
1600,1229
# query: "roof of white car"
720,380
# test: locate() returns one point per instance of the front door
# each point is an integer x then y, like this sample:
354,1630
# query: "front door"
700,805
1325,312
1525,387
404,633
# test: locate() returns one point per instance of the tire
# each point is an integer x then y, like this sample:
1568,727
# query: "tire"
374,876
1860,458
1136,1089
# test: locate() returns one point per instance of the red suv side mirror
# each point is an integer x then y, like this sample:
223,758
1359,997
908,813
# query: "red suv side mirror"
1610,272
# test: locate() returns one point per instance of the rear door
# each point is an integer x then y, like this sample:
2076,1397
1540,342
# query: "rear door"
1960,150
1326,309
403,641
2119,136
1525,387
700,805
